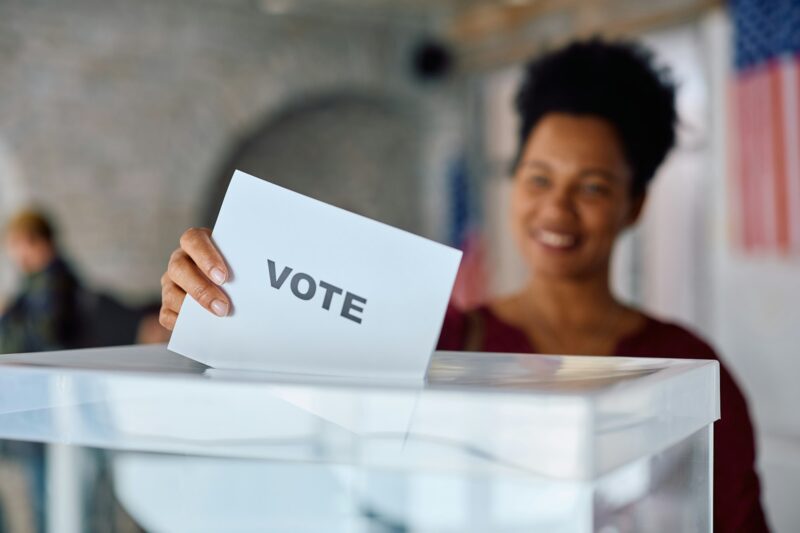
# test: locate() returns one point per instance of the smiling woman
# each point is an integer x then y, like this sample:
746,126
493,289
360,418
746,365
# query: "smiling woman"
597,120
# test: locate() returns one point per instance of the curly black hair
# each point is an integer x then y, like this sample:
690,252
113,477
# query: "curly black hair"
617,81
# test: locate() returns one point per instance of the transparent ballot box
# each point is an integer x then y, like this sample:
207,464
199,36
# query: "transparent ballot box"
489,442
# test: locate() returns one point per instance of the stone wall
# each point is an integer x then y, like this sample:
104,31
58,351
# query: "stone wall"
115,116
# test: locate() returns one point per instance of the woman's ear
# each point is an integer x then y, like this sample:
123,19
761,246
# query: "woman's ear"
637,206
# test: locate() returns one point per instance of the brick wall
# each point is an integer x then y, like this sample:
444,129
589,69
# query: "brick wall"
116,116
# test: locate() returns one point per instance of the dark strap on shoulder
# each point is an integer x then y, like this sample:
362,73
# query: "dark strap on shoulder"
475,331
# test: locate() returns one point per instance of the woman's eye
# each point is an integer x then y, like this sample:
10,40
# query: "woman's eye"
538,181
595,189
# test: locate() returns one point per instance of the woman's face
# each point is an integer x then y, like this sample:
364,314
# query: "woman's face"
571,196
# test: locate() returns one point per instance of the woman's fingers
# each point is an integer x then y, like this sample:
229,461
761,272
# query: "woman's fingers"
185,273
171,300
172,296
196,242
167,318
192,269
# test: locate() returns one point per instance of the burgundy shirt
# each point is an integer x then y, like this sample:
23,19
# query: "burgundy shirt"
737,503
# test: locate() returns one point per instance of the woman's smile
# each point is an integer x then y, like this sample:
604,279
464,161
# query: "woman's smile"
558,241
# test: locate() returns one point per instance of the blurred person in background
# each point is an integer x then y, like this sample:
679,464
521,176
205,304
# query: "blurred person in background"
597,119
44,314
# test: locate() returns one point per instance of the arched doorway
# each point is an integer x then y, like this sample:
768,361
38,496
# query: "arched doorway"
358,152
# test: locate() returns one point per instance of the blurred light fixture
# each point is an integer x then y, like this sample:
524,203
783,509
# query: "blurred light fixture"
276,7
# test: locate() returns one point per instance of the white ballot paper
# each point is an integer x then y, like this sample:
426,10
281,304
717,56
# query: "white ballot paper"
318,290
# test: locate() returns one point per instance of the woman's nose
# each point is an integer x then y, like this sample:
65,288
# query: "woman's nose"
559,201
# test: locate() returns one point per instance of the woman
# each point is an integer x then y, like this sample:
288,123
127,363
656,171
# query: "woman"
597,120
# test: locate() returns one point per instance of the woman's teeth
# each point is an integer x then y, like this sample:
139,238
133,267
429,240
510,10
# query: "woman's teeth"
556,240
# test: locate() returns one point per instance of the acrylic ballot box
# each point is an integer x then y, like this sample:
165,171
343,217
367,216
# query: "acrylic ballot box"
489,442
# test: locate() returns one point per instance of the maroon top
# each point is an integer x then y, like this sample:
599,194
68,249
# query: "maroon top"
737,504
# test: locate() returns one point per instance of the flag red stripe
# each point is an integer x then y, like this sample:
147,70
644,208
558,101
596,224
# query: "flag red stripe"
794,150
762,184
748,158
742,126
736,172
779,174
756,159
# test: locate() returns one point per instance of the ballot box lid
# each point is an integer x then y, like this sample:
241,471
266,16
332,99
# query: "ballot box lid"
557,417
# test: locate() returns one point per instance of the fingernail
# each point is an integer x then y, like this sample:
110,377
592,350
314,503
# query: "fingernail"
219,307
218,276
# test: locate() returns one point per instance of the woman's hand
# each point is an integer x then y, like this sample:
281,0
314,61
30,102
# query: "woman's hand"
195,268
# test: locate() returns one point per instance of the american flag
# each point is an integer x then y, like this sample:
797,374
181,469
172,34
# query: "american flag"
471,285
766,113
